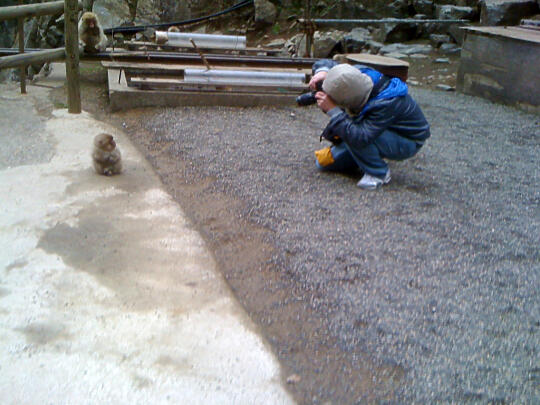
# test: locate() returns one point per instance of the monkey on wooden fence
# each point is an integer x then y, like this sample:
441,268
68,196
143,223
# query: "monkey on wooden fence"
92,39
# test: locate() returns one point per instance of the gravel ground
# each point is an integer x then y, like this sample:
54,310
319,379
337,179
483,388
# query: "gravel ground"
424,291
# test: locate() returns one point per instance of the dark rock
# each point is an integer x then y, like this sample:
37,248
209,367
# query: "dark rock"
396,32
265,13
375,46
456,33
449,48
436,40
149,34
406,49
356,40
399,8
54,38
502,12
324,43
424,7
455,13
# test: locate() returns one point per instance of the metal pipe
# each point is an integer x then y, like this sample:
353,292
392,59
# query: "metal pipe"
184,39
382,21
184,57
243,77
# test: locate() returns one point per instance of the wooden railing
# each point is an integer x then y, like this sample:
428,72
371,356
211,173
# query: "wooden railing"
70,53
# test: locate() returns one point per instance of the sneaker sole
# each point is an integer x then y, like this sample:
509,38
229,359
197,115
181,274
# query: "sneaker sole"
366,187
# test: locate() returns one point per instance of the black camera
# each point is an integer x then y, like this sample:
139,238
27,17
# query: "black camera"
309,98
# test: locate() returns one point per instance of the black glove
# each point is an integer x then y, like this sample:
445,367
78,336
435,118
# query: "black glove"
327,134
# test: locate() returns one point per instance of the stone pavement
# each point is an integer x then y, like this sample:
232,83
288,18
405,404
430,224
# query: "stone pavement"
107,294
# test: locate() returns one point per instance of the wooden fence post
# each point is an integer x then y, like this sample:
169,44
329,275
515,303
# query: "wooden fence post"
22,70
71,9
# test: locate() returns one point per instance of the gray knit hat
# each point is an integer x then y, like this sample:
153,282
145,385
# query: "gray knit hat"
347,86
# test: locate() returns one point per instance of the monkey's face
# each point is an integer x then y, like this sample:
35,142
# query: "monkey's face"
89,20
105,142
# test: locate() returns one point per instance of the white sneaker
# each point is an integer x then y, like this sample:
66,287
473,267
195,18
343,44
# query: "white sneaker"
369,182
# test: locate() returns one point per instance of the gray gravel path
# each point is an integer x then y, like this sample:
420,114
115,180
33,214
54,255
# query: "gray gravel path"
438,273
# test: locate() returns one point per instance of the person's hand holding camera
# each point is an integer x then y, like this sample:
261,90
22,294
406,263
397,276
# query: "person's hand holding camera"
324,101
318,77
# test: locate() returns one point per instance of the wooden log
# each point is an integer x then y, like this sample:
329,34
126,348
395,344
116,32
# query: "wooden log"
22,70
72,56
32,10
48,55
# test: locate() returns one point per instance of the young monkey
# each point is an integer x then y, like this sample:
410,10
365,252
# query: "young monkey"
106,157
92,39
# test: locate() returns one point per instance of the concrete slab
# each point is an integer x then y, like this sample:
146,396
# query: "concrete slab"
501,64
107,294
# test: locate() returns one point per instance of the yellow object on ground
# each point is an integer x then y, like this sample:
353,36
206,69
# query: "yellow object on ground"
324,156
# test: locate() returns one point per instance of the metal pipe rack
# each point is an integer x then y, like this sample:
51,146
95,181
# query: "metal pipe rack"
184,39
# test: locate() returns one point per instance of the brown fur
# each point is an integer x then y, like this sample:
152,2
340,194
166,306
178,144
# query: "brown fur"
91,36
106,157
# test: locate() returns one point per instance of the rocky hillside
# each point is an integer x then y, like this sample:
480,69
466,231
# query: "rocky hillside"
273,22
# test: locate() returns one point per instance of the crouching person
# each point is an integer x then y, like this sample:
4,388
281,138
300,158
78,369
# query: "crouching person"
372,118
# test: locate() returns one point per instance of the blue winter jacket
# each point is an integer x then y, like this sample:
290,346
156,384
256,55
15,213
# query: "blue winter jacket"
392,109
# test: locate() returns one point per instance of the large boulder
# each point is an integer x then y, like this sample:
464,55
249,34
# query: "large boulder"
356,40
396,32
506,12
326,42
265,13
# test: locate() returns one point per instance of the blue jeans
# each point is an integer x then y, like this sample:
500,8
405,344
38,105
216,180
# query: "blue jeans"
369,159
